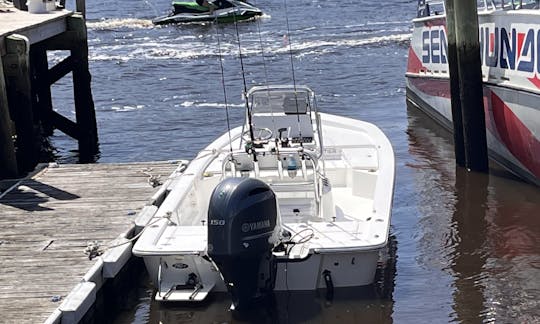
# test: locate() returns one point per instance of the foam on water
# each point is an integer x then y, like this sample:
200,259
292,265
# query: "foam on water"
120,23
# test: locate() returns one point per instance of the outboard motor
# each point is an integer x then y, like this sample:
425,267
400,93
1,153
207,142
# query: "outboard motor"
241,220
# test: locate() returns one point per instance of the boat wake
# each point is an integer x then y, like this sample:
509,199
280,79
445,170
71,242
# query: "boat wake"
333,45
120,23
193,104
126,108
192,50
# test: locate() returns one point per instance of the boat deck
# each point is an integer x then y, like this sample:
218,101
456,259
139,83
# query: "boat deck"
47,221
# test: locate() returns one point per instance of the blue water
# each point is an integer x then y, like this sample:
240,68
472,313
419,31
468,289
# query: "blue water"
468,246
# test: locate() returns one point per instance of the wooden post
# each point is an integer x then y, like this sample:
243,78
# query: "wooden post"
17,70
43,106
84,104
457,119
470,81
80,6
8,161
20,4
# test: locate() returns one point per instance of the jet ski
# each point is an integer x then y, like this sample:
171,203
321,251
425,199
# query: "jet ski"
224,11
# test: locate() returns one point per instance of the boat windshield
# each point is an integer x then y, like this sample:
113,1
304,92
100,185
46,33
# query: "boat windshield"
277,101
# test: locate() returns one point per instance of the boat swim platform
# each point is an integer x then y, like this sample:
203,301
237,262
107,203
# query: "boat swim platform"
65,230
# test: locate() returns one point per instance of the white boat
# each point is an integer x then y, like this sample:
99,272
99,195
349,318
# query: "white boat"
509,34
292,200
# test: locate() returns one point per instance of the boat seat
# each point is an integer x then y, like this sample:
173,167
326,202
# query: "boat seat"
298,186
292,208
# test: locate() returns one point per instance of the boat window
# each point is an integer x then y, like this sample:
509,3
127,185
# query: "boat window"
295,104
526,4
423,9
428,8
436,8
513,4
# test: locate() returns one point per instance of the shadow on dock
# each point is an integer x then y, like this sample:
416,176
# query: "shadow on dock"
33,193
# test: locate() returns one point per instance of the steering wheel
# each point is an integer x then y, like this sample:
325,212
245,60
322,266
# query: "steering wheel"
259,134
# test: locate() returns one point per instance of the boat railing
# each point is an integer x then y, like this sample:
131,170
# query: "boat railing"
491,5
427,8
521,4
231,159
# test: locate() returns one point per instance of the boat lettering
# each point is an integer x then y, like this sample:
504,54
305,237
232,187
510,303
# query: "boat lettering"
434,45
248,227
515,47
217,222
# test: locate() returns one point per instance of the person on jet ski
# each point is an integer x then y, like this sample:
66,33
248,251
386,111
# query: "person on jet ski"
213,5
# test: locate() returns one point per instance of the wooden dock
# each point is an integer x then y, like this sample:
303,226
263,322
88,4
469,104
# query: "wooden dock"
27,114
49,223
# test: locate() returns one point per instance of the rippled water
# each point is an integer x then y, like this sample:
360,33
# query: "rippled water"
468,245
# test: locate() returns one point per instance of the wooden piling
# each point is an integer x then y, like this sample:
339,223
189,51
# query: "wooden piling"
457,119
42,88
85,127
19,90
470,84
84,104
8,161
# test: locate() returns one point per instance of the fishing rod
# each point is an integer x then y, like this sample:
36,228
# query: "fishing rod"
223,85
248,109
292,71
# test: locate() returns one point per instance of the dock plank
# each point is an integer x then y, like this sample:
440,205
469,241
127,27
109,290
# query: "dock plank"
35,26
47,221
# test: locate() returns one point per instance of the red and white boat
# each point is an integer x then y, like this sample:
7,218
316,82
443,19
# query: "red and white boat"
509,34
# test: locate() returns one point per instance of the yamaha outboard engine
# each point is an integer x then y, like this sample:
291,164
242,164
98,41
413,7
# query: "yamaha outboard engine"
241,221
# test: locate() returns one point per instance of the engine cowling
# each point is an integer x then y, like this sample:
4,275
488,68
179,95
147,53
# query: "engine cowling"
242,218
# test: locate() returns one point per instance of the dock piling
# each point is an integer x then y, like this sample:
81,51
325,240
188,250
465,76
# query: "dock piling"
453,70
8,161
19,93
84,104
44,109
470,83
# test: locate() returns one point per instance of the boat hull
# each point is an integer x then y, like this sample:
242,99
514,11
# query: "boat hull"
237,11
190,18
511,96
346,269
